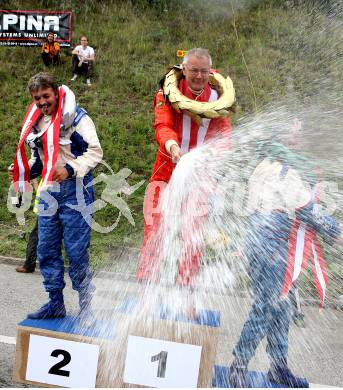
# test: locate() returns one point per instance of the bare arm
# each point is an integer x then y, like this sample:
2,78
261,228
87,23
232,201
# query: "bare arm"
10,170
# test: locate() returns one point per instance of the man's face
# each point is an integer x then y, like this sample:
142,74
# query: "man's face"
50,37
196,72
46,99
84,41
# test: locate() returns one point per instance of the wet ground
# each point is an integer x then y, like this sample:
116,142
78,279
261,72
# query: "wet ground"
315,352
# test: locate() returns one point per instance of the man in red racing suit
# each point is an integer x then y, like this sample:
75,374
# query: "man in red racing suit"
176,134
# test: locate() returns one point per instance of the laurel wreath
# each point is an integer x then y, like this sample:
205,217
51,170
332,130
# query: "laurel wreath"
199,110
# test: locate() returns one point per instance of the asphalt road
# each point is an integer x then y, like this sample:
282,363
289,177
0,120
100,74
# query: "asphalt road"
315,352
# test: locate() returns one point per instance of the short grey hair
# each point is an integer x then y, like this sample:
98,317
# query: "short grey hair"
197,52
42,80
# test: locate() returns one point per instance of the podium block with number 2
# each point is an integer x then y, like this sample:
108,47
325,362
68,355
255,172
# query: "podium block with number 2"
62,362
54,353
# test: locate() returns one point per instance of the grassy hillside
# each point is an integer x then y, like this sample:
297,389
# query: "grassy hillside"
265,46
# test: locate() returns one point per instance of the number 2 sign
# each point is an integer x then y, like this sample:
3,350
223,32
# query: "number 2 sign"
61,362
160,363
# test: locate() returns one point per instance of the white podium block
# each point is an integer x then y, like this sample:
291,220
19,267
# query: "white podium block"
53,353
156,352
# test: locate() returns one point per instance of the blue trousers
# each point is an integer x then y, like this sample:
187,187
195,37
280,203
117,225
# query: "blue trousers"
58,222
267,251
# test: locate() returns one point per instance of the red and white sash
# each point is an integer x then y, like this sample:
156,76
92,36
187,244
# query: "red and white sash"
50,140
202,131
303,243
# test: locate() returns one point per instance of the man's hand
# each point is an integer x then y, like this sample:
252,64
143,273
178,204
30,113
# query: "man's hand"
175,153
10,170
60,174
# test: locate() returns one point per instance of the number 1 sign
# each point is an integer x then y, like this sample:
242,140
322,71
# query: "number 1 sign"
160,363
61,362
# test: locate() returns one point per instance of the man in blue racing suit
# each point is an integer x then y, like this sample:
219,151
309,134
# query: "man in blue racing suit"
281,208
78,151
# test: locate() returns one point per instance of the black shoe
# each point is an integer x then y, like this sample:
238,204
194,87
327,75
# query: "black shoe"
24,270
284,376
